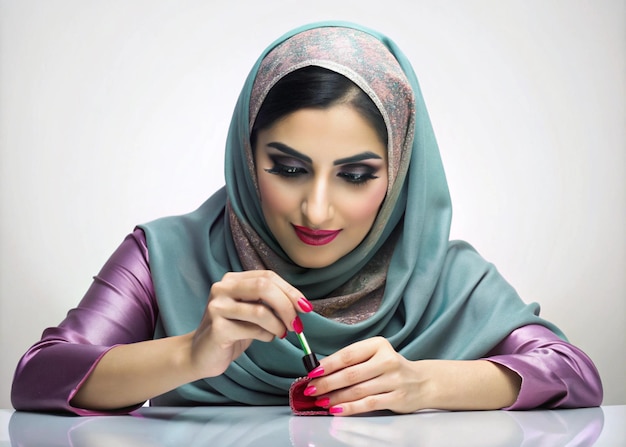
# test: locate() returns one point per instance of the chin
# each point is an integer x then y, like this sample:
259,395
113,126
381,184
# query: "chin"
313,265
313,262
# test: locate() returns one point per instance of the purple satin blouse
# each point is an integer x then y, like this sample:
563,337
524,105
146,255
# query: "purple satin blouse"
120,308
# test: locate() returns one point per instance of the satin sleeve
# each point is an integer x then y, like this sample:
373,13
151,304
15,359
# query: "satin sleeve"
555,374
118,308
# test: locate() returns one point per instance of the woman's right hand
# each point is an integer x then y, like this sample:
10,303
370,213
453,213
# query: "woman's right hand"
244,306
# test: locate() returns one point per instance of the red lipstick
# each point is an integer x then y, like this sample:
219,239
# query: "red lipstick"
315,237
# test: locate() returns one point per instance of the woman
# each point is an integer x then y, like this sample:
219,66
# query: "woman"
334,219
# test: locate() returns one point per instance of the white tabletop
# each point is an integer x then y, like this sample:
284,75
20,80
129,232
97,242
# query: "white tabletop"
276,426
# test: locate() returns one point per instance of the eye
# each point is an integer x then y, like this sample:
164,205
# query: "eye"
285,168
358,174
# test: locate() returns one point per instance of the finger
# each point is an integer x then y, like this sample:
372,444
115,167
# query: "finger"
295,296
229,332
368,404
268,287
377,385
352,355
351,381
253,313
251,331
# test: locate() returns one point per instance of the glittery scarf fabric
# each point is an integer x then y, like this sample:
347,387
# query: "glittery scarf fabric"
368,63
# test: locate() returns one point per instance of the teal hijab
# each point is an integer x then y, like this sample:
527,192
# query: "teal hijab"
436,299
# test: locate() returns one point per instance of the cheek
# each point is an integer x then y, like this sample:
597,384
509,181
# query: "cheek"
275,199
366,207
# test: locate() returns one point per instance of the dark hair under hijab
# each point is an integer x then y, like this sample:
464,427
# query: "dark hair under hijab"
318,88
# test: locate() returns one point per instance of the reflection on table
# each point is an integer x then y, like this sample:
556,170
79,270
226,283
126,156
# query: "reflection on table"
276,426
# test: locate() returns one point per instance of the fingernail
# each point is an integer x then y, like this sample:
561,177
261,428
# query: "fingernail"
309,390
319,371
335,410
297,325
305,305
323,402
284,335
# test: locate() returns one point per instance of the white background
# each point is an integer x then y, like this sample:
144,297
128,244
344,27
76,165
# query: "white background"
114,113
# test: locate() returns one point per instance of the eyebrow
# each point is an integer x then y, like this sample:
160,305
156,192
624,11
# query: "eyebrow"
358,157
352,159
290,151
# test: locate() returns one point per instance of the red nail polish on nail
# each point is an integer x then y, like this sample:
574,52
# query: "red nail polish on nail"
309,390
297,325
335,410
284,335
319,371
323,402
305,305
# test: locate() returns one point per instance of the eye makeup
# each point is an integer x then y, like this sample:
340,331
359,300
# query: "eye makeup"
281,166
358,174
354,173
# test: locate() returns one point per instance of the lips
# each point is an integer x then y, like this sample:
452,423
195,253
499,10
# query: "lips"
315,237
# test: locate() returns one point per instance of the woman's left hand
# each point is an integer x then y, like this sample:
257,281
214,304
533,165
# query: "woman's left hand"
370,375
367,376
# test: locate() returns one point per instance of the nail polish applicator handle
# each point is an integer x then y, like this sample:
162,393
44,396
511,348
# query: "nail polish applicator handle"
310,360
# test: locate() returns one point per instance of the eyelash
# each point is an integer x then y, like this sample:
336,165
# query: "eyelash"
357,179
296,171
286,171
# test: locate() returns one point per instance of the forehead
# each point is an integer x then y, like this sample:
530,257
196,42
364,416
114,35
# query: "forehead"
326,134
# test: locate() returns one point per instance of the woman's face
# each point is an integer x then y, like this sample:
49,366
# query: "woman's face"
322,176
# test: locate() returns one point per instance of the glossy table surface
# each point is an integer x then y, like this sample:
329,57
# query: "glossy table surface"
276,426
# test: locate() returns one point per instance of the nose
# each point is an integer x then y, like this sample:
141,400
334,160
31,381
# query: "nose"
317,206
